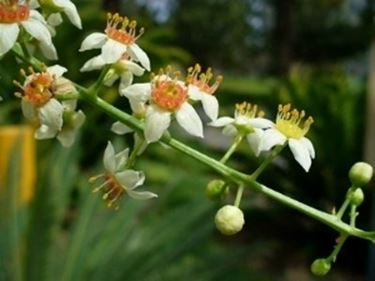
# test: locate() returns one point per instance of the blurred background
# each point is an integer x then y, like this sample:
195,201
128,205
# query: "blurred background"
318,55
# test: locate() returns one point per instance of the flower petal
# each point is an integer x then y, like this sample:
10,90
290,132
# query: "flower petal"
130,179
93,41
37,29
48,50
270,138
54,19
67,135
112,51
120,128
195,93
132,67
126,80
71,11
254,140
230,130
51,114
210,106
188,119
141,195
28,110
56,70
138,54
93,64
109,161
121,159
221,122
8,36
300,153
156,123
310,148
261,123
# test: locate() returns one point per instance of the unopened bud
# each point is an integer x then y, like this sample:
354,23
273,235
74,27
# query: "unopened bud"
320,267
355,196
216,190
360,174
229,220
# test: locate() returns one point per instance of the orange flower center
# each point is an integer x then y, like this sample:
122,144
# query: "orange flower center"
37,91
112,190
122,30
205,81
13,13
168,94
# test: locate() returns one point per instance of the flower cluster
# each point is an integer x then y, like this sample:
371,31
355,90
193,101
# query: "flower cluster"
17,15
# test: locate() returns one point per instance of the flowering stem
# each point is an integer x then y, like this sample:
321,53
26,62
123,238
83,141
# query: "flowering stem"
134,154
340,242
353,215
267,161
232,148
342,209
98,84
237,201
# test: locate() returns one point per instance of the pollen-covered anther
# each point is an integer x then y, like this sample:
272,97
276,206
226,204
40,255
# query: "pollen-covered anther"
205,81
112,191
167,91
121,29
292,123
248,110
12,12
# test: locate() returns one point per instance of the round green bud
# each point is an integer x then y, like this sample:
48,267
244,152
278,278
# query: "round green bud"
320,267
216,190
229,220
355,196
360,174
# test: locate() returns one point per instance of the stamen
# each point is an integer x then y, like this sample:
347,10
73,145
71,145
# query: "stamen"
202,80
248,110
12,12
289,122
121,29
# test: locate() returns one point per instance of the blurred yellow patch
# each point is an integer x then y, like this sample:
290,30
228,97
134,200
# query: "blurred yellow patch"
11,139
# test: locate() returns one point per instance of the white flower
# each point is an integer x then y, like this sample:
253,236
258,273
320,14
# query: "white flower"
289,128
119,38
199,88
12,16
247,121
158,101
124,69
118,179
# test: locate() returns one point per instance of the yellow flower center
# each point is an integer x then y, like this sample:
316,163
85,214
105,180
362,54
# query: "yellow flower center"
12,12
122,30
248,110
204,81
291,123
168,93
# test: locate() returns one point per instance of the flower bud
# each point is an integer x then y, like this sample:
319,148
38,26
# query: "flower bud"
355,196
216,190
229,220
320,267
360,174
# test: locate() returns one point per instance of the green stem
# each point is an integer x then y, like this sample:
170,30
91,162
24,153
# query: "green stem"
237,201
353,215
342,209
267,161
134,154
232,148
340,242
98,84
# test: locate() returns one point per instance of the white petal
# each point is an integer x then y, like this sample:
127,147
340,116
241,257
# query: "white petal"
188,119
121,159
195,93
141,195
254,140
109,161
51,114
33,4
48,50
132,67
93,41
138,54
110,78
230,130
28,110
112,51
300,153
139,92
67,135
156,123
270,138
126,80
93,64
56,70
120,128
8,36
71,12
45,132
261,123
221,122
37,30
130,179
310,148
210,106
